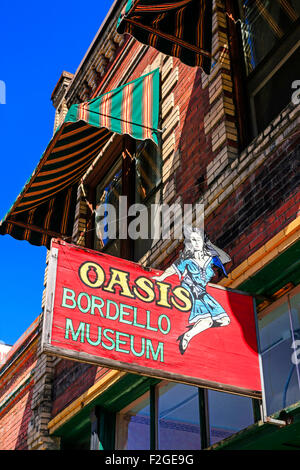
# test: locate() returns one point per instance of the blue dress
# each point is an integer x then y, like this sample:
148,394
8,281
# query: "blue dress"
194,279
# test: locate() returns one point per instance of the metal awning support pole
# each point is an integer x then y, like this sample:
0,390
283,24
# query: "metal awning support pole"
160,131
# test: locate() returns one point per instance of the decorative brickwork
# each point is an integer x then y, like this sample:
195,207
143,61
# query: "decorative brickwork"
41,405
97,62
16,391
58,98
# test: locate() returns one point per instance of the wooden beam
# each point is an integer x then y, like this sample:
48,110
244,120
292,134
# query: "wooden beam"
146,371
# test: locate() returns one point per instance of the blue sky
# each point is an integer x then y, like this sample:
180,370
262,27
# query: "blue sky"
38,40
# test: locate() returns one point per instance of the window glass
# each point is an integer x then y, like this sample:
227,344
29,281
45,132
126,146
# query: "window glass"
279,371
108,193
148,178
148,169
133,425
174,418
270,37
228,414
264,23
295,312
178,417
280,81
143,243
145,185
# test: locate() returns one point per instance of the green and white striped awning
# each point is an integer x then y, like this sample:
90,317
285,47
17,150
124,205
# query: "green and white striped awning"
181,28
45,207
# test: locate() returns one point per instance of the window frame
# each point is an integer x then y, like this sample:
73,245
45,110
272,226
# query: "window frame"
132,404
286,298
246,86
276,58
115,168
204,437
123,147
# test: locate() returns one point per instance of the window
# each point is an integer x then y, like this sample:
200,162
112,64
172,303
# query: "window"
135,174
178,417
175,416
108,192
147,184
228,414
279,330
270,35
133,425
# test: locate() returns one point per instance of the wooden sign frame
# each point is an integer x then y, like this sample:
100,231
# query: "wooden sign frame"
48,346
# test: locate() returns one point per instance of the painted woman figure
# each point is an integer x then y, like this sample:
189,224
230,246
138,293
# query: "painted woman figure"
195,270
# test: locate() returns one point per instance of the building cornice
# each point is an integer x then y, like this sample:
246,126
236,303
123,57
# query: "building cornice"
22,345
95,63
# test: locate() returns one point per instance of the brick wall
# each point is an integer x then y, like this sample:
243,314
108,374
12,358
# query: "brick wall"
186,152
14,422
249,196
72,379
259,208
242,191
16,388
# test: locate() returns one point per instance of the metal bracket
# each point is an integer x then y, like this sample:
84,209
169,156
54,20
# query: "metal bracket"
276,422
284,419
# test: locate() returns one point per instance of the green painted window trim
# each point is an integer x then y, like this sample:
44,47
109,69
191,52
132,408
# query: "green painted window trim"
119,395
275,275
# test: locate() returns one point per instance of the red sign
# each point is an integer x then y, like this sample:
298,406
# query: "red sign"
112,312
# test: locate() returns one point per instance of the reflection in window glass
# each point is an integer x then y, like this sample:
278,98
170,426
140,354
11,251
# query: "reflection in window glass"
133,425
295,311
270,33
295,315
280,373
142,245
264,23
148,178
108,193
178,417
281,80
228,414
148,169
